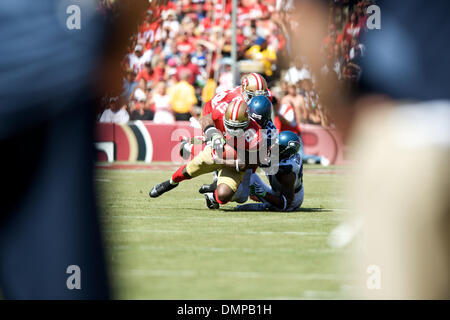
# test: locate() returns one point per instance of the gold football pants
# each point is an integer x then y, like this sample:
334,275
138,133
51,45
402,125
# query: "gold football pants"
204,163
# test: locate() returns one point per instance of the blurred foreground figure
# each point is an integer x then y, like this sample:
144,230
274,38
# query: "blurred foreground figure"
50,242
401,184
401,199
48,217
397,122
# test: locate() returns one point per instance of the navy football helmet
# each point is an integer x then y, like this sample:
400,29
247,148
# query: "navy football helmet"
260,110
289,144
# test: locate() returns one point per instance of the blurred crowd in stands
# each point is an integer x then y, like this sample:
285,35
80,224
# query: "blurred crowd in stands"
180,57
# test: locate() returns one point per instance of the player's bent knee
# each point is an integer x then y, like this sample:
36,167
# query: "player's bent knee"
239,197
224,193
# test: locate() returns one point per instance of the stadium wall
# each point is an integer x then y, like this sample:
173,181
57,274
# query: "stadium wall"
147,141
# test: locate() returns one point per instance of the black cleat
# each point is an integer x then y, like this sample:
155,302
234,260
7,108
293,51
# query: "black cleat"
208,187
211,202
161,188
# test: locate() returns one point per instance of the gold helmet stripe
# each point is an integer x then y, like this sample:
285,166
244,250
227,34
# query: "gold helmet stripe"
235,111
258,81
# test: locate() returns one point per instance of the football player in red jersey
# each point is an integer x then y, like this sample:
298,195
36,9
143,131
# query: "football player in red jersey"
234,127
252,84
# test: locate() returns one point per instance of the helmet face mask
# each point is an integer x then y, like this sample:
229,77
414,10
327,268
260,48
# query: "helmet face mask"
248,95
292,148
289,144
233,131
260,93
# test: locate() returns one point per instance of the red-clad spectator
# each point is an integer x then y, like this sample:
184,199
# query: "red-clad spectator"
150,30
187,6
146,72
327,41
184,45
352,29
145,25
361,14
222,20
159,71
208,5
155,11
187,65
170,6
340,38
252,10
240,38
206,23
333,37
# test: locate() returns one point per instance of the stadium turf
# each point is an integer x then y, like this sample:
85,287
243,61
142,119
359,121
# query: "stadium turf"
173,247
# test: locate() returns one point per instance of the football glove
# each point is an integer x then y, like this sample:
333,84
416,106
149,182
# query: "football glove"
215,137
218,142
257,191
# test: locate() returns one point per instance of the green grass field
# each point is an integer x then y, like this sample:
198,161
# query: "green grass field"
173,247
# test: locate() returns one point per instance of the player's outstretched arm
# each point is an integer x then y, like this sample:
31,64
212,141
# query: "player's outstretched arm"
206,121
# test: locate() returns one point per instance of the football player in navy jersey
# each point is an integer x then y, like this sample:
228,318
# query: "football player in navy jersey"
285,189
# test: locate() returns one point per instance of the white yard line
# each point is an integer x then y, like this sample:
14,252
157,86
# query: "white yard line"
294,233
223,249
240,275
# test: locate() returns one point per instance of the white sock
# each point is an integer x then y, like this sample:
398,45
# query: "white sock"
172,183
